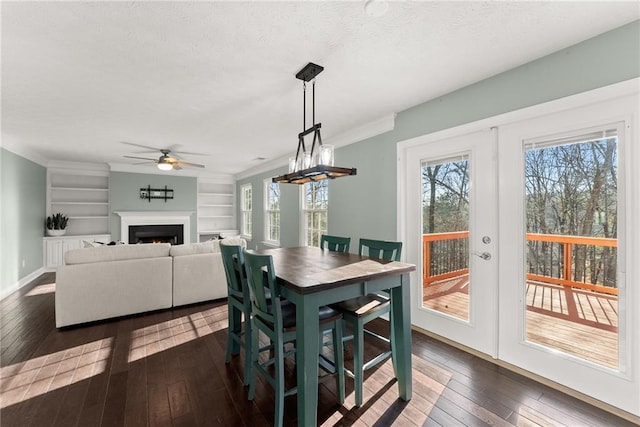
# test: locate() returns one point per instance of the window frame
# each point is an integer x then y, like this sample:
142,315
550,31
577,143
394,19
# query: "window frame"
267,213
305,211
246,211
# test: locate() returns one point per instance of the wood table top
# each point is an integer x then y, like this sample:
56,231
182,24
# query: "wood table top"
308,269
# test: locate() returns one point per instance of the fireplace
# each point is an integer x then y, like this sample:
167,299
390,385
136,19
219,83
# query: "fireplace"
157,233
157,219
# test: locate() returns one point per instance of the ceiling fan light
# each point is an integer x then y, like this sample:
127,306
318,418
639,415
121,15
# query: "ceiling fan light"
165,166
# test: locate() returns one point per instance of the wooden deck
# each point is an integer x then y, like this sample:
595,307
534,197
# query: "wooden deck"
578,322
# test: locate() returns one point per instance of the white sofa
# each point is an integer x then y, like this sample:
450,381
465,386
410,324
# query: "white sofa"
198,273
111,281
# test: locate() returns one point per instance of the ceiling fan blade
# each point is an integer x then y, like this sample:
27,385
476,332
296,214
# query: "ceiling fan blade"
154,149
141,158
143,163
183,163
188,153
175,149
176,167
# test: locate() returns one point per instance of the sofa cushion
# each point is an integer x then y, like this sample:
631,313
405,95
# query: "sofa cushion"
116,253
193,249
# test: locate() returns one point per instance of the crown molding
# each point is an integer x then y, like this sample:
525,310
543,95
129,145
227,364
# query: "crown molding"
357,134
10,144
78,166
366,131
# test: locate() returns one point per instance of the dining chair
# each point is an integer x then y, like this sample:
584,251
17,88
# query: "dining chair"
239,305
335,243
277,320
359,311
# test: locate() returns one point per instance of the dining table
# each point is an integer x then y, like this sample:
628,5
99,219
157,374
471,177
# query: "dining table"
311,277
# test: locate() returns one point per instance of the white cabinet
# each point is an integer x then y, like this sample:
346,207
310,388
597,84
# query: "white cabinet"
216,208
82,195
55,247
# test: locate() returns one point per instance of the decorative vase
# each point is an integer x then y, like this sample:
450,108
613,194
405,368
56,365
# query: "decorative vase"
55,233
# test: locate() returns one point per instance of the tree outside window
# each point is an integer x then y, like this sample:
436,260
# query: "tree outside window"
272,211
315,206
245,207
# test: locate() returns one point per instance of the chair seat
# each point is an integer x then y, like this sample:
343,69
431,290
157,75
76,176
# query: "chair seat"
363,305
326,314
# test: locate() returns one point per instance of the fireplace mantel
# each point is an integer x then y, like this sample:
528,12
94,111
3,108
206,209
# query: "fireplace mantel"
128,218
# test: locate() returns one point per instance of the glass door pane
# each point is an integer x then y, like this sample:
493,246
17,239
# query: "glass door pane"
445,236
571,209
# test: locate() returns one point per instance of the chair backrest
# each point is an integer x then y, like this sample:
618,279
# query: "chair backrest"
335,243
380,249
233,262
261,277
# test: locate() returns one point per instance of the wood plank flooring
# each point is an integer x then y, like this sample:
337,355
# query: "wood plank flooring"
167,369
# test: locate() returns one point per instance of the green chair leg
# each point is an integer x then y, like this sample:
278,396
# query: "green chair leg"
248,349
253,372
279,383
338,351
232,328
358,361
392,341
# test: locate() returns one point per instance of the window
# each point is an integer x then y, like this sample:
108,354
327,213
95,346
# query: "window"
245,207
272,211
315,205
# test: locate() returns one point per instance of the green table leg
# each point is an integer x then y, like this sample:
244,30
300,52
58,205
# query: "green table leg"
308,331
401,345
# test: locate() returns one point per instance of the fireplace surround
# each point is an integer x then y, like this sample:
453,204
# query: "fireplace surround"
153,218
157,233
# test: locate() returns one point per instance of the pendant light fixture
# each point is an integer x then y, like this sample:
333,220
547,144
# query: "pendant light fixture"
315,164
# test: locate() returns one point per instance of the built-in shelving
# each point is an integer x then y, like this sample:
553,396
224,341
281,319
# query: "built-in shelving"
54,248
82,195
216,208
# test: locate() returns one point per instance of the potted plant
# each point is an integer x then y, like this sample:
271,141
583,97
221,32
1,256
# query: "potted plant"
56,224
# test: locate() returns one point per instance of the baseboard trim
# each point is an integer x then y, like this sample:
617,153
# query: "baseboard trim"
20,283
571,392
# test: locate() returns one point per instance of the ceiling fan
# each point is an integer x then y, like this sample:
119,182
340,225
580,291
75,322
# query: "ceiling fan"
166,161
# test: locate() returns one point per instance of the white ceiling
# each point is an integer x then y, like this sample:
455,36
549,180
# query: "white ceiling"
78,78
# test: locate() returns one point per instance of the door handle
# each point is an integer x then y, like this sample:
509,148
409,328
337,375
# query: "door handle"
484,255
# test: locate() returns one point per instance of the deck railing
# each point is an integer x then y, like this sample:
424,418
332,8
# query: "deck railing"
580,262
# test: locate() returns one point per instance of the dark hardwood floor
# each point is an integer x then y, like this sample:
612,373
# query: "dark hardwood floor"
167,368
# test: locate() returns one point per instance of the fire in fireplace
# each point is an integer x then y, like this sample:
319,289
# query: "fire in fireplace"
157,233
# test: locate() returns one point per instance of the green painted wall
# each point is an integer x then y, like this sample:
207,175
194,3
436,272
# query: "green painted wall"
124,195
365,205
22,212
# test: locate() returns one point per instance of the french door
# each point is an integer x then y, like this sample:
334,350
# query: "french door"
525,231
451,187
565,228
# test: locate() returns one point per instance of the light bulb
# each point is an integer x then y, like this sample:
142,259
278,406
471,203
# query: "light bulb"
326,155
306,162
165,166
